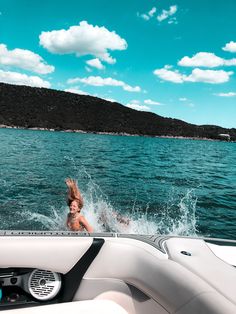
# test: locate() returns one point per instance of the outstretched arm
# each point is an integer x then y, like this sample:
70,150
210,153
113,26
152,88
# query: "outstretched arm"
86,225
73,191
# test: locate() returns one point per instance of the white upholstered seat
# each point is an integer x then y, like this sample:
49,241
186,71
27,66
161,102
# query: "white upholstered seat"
78,307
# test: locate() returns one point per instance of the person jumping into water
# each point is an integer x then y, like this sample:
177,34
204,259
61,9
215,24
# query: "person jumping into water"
75,221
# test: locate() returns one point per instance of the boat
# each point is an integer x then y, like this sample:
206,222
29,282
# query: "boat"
61,272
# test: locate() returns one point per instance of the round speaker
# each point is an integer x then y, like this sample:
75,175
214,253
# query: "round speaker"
44,284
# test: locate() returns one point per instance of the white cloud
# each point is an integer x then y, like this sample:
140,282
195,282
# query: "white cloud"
169,75
152,12
205,59
145,17
185,100
191,105
230,94
197,75
209,76
135,102
96,63
83,39
22,79
151,102
24,59
138,107
109,99
73,81
148,15
76,90
129,88
88,69
99,81
167,13
231,47
168,66
173,21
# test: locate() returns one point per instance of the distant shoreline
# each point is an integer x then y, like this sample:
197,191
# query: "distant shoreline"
3,126
52,110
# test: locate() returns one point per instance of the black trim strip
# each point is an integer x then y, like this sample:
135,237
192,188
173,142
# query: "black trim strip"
72,279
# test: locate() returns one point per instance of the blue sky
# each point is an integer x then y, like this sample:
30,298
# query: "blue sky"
174,58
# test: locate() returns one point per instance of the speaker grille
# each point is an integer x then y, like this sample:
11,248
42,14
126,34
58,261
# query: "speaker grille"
44,284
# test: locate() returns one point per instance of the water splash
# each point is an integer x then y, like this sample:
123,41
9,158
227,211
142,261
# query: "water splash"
100,212
179,216
27,220
55,221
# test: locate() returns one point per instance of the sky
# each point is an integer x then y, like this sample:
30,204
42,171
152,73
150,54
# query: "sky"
174,58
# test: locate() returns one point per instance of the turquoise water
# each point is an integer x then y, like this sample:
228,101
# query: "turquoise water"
166,186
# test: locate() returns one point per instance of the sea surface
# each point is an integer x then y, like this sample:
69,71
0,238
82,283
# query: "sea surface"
162,185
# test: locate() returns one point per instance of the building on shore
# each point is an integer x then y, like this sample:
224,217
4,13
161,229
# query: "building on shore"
225,137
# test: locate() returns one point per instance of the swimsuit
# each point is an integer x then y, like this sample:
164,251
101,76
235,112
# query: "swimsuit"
74,223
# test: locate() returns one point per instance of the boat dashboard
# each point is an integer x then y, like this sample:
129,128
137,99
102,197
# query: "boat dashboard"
28,286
